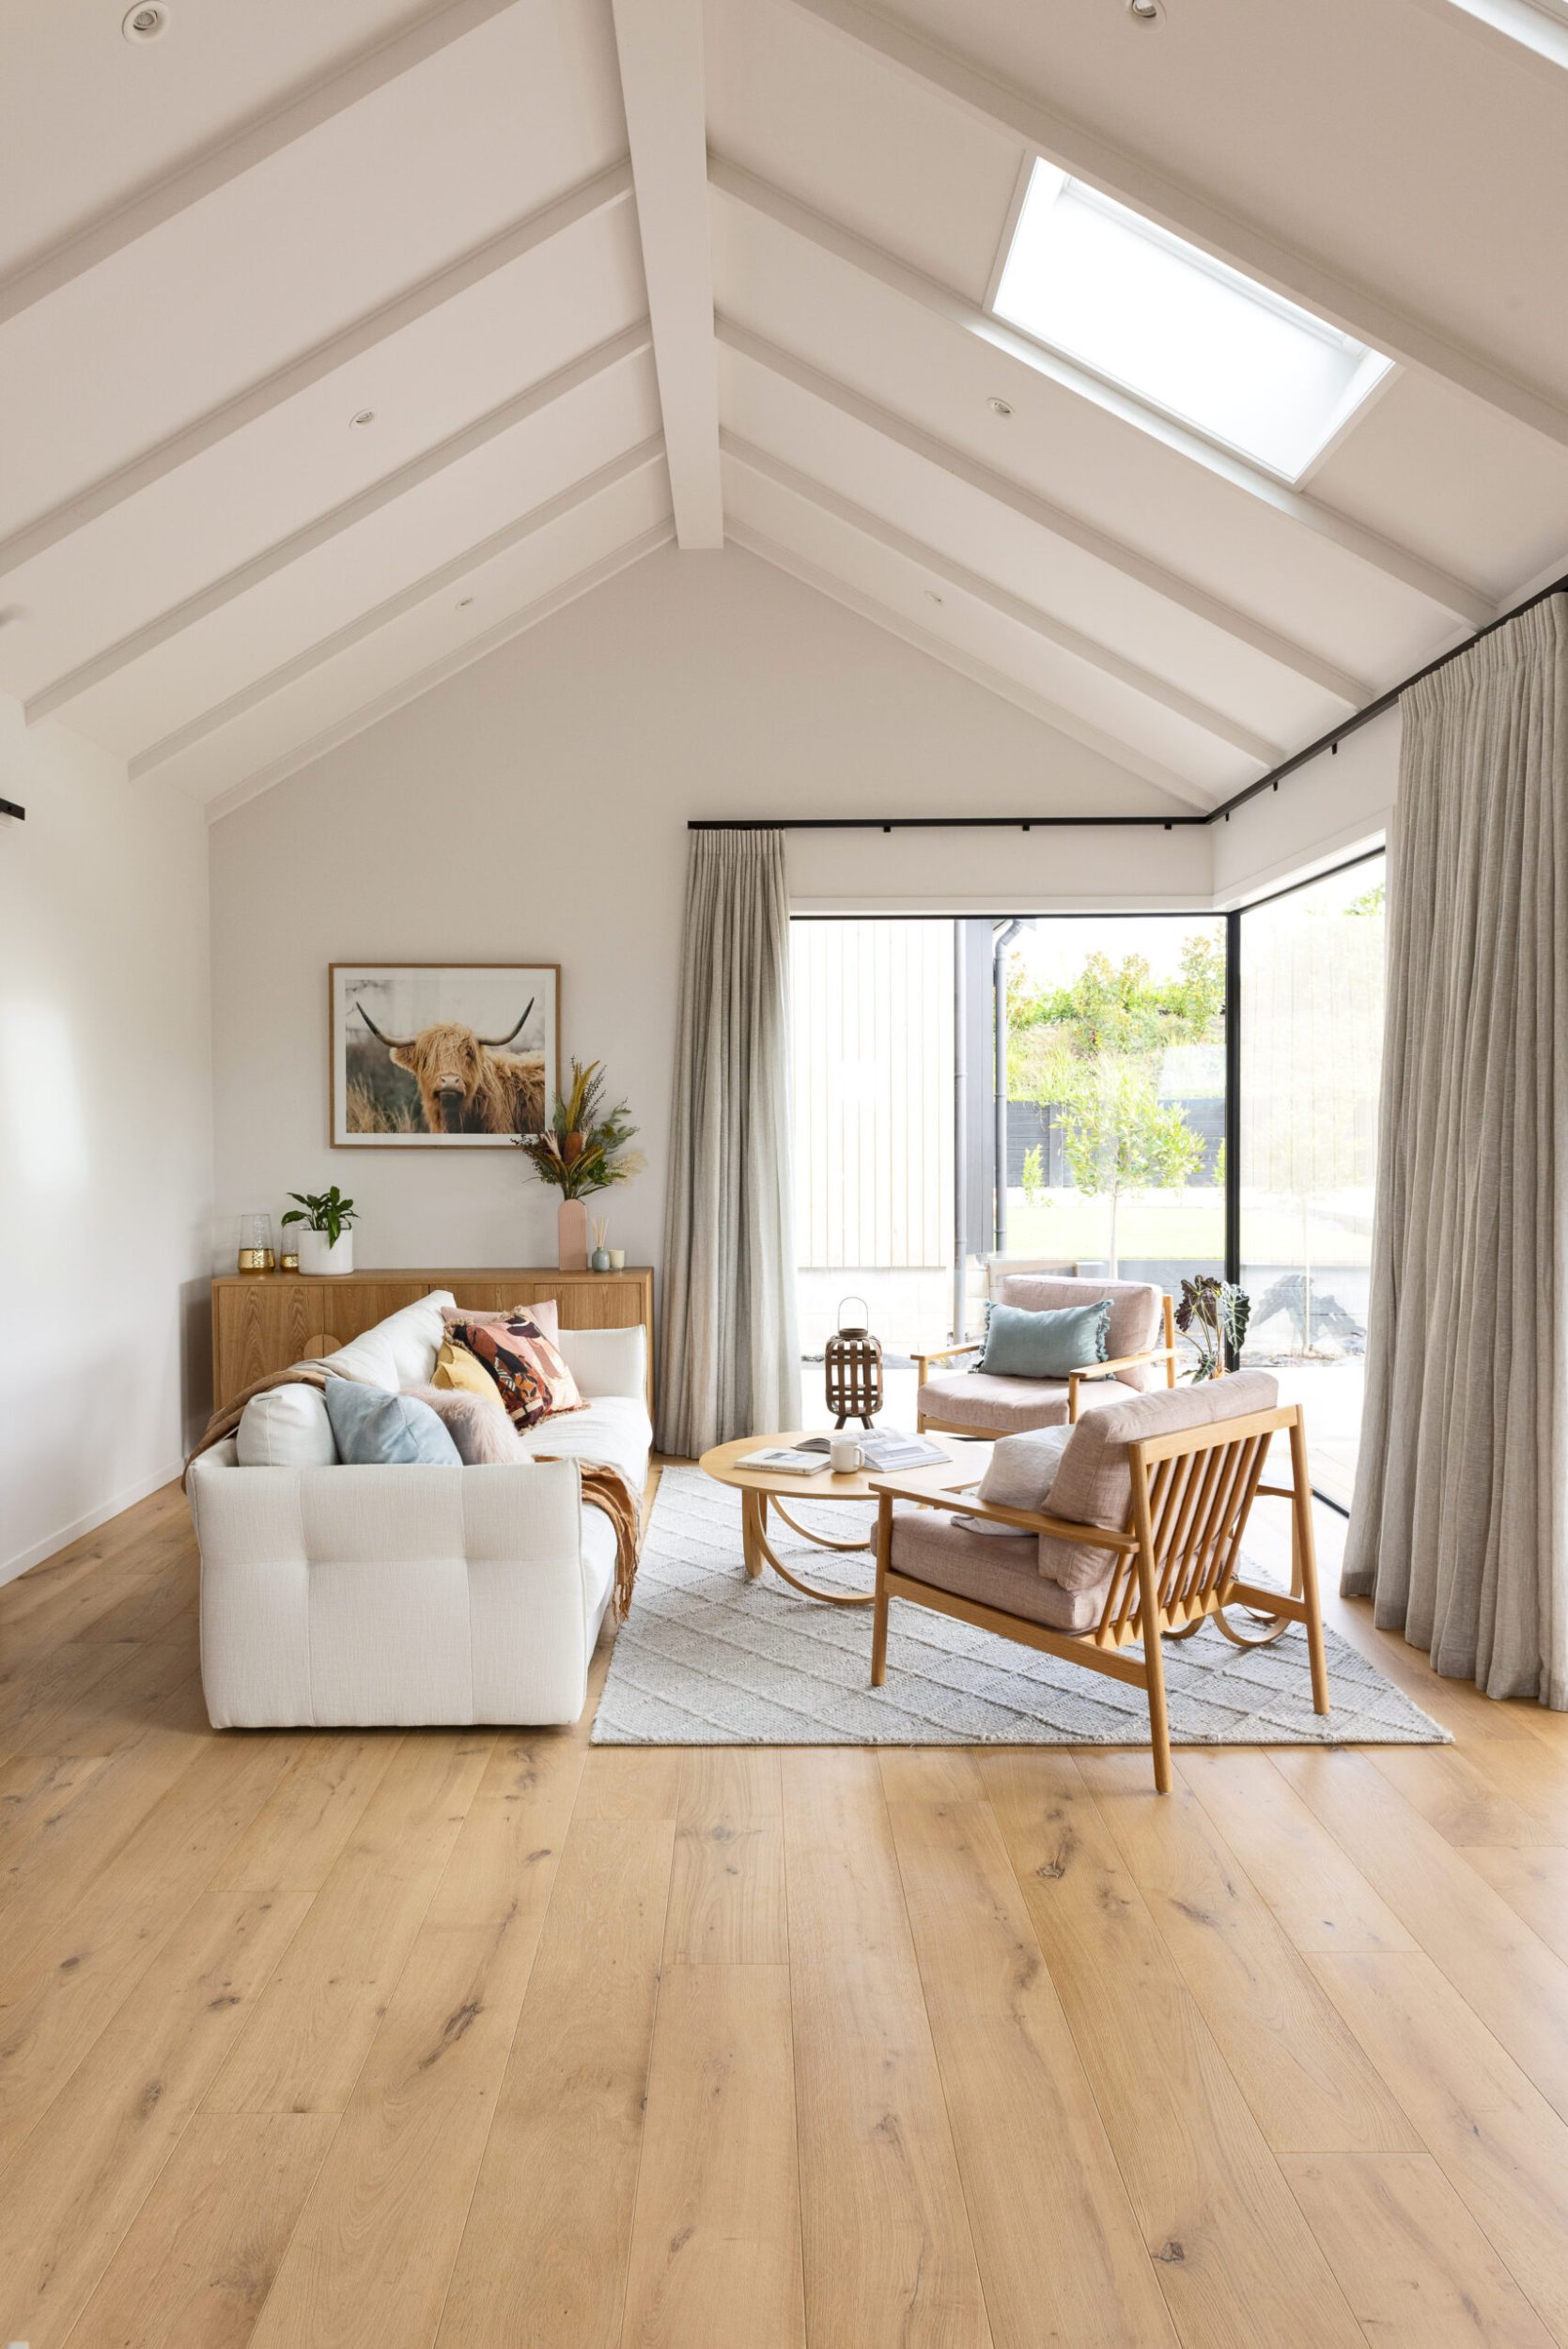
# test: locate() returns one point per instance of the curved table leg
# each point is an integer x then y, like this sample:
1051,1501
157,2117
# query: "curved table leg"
760,1552
823,1541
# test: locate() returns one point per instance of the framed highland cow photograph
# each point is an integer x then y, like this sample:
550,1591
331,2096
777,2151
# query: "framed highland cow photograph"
443,1055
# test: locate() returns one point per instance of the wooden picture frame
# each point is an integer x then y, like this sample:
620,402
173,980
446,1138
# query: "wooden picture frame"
442,1055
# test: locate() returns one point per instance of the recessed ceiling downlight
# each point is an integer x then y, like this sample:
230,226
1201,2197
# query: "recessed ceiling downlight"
358,423
999,407
1146,11
146,22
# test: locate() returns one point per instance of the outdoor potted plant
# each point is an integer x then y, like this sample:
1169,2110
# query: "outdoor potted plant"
583,1149
1212,1317
326,1242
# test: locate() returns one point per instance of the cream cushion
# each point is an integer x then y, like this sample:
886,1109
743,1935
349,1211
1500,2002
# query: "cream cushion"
1094,1484
286,1427
1021,1474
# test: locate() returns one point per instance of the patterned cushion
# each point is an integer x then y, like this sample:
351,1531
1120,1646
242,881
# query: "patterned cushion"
547,1312
1137,1314
526,1366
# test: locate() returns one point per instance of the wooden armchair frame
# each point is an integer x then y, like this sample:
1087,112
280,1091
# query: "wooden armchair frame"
1175,1562
1076,1378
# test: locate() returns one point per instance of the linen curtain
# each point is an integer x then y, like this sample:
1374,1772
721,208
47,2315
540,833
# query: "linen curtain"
1458,1529
728,1355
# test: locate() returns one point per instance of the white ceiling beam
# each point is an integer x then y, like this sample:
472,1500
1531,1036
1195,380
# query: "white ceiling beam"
254,143
1132,180
1056,520
1380,553
445,576
586,202
959,579
659,43
61,691
1132,762
409,689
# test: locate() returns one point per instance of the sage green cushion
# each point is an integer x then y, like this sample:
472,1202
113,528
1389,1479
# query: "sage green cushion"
1024,1344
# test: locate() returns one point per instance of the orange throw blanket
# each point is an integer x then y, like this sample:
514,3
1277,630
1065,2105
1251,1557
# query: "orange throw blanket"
603,1487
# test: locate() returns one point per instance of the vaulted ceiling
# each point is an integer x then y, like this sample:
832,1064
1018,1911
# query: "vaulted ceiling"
338,345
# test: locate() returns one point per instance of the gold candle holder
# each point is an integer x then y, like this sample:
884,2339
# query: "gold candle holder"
256,1253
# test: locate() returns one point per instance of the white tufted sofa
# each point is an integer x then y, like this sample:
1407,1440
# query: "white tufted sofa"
338,1596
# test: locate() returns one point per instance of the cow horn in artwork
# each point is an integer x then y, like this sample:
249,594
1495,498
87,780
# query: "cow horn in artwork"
494,1043
393,1043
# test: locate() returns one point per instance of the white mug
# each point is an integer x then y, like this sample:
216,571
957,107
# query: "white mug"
844,1455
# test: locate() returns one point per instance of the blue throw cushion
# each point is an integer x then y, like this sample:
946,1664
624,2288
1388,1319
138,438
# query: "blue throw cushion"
1022,1344
374,1429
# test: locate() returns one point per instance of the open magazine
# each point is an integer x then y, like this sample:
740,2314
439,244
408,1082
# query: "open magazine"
885,1450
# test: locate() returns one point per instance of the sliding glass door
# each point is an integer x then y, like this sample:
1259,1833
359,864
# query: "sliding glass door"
1311,1050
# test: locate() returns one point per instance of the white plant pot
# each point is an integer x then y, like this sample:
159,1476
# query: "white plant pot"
318,1254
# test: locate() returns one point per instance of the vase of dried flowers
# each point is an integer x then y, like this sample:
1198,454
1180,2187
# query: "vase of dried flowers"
584,1148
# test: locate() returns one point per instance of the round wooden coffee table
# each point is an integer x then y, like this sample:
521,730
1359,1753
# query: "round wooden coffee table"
758,1487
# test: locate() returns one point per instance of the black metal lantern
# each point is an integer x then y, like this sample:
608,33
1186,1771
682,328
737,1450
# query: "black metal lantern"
852,1359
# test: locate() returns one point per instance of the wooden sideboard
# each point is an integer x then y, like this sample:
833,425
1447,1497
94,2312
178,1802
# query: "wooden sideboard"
263,1321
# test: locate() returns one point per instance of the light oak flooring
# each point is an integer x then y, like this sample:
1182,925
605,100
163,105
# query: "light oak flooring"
451,2040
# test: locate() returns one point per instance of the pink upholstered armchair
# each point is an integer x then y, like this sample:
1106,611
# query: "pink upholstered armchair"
1141,1339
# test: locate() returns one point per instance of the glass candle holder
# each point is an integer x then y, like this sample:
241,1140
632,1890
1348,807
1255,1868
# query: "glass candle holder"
257,1252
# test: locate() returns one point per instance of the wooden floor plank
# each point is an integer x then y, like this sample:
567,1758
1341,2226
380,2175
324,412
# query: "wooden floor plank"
68,2195
543,2259
373,2254
1311,2088
1320,1898
716,2238
1512,1980
1459,1798
1060,2255
1534,1884
1499,2141
201,2253
1412,2262
1237,2262
303,2048
300,1831
728,1888
632,1782
890,2260
83,1967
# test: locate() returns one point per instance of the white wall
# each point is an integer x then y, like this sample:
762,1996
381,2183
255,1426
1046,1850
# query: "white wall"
534,807
1339,802
105,1136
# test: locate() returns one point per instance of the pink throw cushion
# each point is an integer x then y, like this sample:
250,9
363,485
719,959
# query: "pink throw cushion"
481,1430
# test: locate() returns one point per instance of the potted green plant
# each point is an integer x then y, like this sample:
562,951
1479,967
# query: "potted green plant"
584,1148
326,1242
1212,1317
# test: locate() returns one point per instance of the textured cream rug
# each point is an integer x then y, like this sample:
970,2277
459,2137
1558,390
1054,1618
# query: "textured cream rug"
707,1657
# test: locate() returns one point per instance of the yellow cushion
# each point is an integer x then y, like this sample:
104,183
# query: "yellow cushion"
457,1367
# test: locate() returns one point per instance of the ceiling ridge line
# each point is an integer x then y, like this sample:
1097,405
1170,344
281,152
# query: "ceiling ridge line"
422,681
1131,179
1128,760
1045,514
589,200
630,343
823,234
378,615
1078,645
245,148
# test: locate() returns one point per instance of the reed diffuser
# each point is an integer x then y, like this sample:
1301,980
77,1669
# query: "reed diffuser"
599,1260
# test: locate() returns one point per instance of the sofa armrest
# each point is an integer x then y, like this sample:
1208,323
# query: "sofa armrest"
607,1362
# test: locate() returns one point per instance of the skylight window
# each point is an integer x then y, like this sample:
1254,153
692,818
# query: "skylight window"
1540,25
1182,331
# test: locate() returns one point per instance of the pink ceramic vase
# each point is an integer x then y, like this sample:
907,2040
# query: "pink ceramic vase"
572,1236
